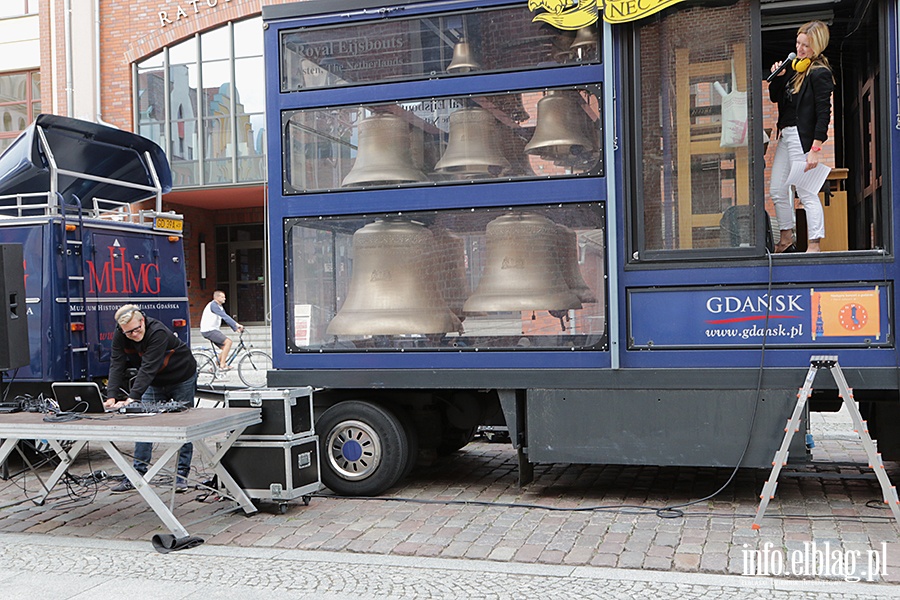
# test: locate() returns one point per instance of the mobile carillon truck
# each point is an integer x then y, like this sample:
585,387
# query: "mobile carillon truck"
554,216
66,189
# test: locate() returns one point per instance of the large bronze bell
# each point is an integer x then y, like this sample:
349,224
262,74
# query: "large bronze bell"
393,288
463,60
472,150
568,240
561,131
383,155
523,267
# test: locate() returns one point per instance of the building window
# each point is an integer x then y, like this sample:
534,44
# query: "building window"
20,103
17,8
202,100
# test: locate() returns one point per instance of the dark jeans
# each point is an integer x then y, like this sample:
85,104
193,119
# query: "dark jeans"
182,393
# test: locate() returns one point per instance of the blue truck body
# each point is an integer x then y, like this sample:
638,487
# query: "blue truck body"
66,194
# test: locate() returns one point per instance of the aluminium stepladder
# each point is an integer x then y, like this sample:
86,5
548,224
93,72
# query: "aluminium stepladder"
860,427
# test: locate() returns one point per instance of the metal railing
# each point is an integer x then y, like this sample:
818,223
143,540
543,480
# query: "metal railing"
42,204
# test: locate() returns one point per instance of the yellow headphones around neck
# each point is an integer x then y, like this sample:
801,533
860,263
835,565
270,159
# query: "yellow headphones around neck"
801,64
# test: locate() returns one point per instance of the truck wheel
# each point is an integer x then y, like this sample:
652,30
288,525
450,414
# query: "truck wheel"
454,439
364,446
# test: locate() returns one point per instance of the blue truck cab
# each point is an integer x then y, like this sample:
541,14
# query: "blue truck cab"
68,190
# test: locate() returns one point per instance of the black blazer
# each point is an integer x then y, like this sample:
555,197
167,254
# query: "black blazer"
161,357
812,104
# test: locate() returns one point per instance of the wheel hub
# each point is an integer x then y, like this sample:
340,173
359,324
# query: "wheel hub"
354,450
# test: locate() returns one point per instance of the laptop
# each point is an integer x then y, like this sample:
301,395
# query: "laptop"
80,397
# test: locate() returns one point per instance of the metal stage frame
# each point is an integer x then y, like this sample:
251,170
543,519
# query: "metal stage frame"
168,430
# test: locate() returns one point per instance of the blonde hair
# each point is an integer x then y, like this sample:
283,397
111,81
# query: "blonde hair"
818,36
126,313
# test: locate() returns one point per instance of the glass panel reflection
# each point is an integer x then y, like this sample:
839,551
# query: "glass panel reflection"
249,264
251,302
13,87
524,277
15,117
251,150
184,150
247,80
553,133
248,38
215,44
218,146
432,46
695,163
220,125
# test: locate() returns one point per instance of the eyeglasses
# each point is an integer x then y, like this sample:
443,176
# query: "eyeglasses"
132,330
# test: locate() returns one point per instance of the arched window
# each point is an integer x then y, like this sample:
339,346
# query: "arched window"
213,84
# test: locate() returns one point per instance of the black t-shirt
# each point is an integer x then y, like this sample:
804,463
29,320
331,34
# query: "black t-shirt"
787,112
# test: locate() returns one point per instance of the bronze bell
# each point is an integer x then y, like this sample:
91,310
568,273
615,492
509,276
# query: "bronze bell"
560,133
585,39
587,159
568,241
449,268
463,60
522,267
472,150
393,288
560,46
383,155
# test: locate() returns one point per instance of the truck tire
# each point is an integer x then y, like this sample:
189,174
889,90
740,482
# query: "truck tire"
454,439
364,447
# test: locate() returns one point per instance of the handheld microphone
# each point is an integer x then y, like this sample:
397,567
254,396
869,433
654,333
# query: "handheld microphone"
783,66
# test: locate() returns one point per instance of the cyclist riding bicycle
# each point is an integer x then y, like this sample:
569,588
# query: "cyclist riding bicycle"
211,321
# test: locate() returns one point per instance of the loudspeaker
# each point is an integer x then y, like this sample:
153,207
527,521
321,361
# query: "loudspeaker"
14,351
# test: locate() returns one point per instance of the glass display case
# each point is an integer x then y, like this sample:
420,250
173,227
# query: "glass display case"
491,40
469,279
546,133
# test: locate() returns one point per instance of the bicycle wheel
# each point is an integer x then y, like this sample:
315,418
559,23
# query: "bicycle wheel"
253,368
206,371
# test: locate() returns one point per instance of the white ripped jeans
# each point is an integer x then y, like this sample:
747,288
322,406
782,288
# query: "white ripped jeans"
789,150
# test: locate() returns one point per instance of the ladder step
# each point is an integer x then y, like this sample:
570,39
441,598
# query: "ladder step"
891,497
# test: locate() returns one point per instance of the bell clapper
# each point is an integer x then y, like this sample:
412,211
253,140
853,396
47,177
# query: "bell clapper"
562,315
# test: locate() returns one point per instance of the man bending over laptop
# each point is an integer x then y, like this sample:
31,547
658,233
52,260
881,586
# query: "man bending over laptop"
166,371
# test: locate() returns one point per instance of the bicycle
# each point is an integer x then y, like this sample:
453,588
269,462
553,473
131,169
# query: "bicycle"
251,368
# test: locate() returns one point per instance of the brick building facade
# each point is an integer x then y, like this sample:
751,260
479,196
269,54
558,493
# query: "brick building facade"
88,52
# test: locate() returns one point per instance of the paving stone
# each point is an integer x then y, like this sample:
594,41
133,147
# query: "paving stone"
831,511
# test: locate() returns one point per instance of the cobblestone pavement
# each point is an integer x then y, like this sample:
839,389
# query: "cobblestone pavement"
57,568
469,510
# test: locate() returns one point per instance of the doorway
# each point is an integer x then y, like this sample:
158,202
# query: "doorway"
241,271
